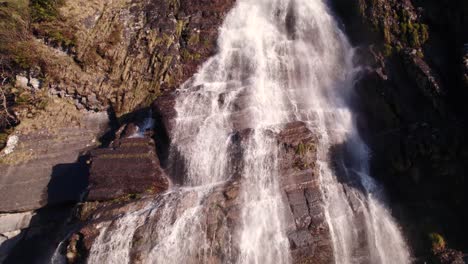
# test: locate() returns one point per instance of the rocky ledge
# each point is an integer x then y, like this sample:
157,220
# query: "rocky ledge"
43,175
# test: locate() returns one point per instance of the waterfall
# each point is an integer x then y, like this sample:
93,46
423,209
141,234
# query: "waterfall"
278,61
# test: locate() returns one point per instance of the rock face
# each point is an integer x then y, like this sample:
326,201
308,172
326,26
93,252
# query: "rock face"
129,167
145,222
413,96
126,52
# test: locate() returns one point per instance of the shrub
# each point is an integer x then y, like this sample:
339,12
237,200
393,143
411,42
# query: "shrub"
45,10
438,242
424,33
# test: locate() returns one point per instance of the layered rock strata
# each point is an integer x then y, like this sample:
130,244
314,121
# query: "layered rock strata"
129,167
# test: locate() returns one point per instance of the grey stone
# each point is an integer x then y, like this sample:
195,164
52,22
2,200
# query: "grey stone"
300,239
13,222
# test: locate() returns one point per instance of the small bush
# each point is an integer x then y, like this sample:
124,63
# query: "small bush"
4,137
45,10
438,242
424,33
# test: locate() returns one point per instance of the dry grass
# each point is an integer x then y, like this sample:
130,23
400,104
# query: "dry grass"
57,114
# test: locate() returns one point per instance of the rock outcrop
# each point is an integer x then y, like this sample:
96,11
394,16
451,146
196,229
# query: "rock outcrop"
308,235
413,97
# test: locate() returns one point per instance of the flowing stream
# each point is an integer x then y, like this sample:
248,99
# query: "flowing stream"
279,61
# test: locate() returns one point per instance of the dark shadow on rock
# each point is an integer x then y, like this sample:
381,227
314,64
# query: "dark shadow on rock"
109,136
38,242
175,166
68,182
136,117
345,165
51,223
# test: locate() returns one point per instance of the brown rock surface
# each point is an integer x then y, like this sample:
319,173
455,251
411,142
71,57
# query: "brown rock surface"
130,166
308,232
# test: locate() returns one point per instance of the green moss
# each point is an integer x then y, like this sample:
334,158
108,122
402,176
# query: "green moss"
420,54
187,55
174,4
16,47
180,27
399,48
47,23
387,35
194,39
411,33
387,50
414,39
424,33
207,42
304,148
61,38
404,28
301,149
167,39
85,210
23,98
301,165
126,198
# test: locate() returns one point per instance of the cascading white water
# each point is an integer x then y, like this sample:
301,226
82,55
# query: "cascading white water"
279,61
362,229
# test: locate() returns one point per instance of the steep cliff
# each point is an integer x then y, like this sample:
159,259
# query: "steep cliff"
413,98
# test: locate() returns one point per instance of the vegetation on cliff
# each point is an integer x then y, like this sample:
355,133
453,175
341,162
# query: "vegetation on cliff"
119,55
